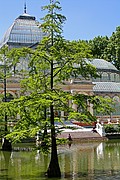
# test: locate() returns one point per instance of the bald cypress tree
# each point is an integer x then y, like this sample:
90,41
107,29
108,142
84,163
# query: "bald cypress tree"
51,64
52,26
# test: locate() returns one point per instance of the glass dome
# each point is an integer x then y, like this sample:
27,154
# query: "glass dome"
106,70
101,64
24,32
109,77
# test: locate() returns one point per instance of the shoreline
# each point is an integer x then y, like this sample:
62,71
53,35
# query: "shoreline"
82,136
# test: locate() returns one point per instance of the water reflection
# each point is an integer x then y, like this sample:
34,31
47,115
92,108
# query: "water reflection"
5,165
78,161
99,151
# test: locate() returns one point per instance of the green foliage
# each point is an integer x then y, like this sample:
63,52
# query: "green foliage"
113,49
102,105
98,46
54,61
107,48
110,128
61,141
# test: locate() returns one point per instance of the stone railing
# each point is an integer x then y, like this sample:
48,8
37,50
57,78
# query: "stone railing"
100,125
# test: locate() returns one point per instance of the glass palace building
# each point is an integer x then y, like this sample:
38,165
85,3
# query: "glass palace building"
26,32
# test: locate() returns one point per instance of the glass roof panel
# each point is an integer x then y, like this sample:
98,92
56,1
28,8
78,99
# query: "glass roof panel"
106,87
25,29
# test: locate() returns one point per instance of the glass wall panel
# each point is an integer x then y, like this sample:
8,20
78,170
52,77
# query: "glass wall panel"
105,77
112,77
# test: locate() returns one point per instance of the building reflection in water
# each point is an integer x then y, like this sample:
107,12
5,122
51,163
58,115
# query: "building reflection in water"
99,151
80,160
89,159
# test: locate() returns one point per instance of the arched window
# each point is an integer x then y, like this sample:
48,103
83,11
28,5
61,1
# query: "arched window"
117,78
105,77
112,77
116,105
106,97
116,99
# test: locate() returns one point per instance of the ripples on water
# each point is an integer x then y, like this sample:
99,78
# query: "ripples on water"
80,161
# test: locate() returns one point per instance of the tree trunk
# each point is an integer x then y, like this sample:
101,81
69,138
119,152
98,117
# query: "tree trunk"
6,145
53,169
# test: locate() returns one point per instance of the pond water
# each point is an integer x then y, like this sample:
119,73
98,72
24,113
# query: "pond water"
80,161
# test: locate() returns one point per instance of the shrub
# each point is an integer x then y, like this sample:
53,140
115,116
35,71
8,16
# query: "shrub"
109,128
